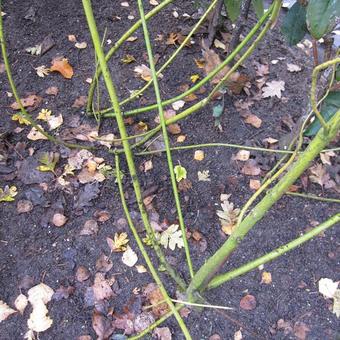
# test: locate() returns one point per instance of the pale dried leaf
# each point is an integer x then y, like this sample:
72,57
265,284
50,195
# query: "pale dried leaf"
5,311
273,88
129,257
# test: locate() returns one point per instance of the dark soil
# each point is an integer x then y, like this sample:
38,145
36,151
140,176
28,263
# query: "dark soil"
31,248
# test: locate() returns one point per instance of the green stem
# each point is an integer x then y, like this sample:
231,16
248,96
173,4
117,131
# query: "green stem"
116,46
165,136
214,263
316,71
220,279
313,197
145,254
17,97
174,55
205,80
123,134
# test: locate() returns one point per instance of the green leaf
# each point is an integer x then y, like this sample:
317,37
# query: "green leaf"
8,193
49,161
180,172
328,109
258,6
294,25
233,8
321,16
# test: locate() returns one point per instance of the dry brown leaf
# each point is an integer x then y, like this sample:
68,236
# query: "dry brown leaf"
162,333
80,102
248,302
82,274
101,288
253,120
59,220
300,330
52,91
62,66
102,215
104,264
90,228
102,325
251,168
254,184
31,101
155,297
144,72
24,206
319,175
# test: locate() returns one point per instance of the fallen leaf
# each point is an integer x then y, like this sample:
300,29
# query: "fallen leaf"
266,278
219,44
39,296
300,330
129,257
248,302
124,4
102,325
326,157
30,101
101,288
199,155
48,161
148,165
253,120
81,45
104,264
8,193
82,274
251,168
5,311
144,72
71,38
293,68
54,122
34,134
59,220
21,119
141,269
128,58
52,90
238,335
63,293
181,138
42,71
162,333
328,287
254,184
24,206
178,104
131,38
228,215
102,215
80,102
273,88
156,298
143,321
180,172
194,78
119,243
242,155
20,303
203,176
154,3
319,174
90,227
172,237
62,66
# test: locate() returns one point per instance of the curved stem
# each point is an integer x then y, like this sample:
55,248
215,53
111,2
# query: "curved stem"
214,263
316,71
165,136
116,46
27,116
145,254
174,55
122,129
205,80
313,197
220,279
